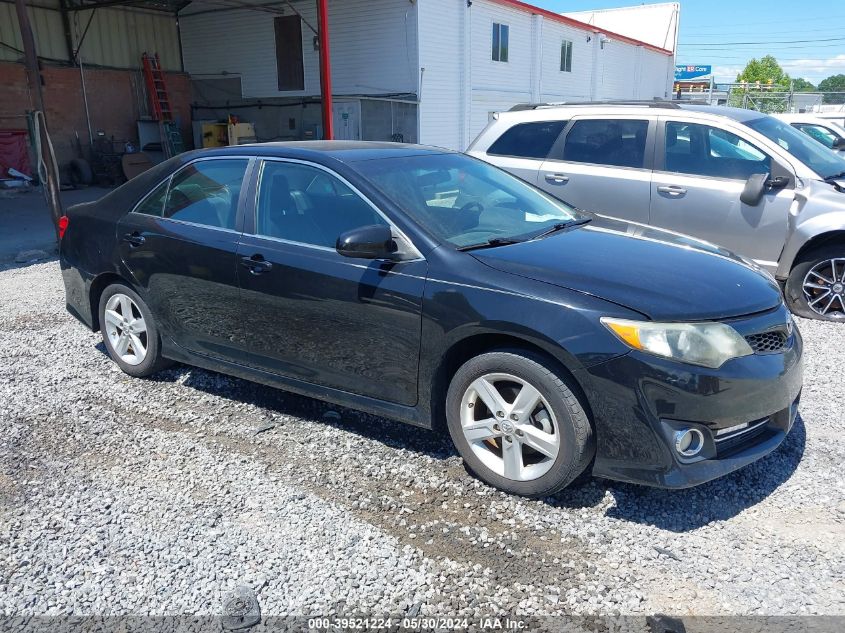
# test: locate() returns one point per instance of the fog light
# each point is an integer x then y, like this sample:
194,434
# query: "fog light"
689,442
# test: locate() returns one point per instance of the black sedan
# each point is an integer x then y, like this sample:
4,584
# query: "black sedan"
426,286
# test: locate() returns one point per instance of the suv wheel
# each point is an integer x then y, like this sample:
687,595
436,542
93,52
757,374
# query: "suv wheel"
816,286
518,424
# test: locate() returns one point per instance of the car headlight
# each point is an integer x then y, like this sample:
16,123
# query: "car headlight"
706,344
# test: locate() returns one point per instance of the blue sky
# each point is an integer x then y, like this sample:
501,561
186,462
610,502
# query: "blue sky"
711,28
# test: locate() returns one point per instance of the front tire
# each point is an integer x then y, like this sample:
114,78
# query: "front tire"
816,286
518,424
129,332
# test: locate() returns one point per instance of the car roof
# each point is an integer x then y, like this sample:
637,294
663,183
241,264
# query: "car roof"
541,112
344,151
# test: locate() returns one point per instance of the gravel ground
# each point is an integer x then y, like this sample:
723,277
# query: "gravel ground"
152,497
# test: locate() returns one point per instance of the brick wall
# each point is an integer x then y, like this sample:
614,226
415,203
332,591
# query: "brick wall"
113,101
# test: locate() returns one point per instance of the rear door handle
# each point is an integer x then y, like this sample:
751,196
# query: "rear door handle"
672,190
134,239
256,264
557,179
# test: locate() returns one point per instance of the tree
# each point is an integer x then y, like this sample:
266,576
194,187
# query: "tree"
802,85
834,83
765,70
763,77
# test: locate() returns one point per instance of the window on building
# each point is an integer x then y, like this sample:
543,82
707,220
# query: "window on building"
619,142
289,65
307,205
702,150
528,140
500,42
566,56
206,192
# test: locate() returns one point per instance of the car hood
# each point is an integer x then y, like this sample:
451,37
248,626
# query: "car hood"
664,275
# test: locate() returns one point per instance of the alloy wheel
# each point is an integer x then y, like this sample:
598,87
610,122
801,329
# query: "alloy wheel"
510,426
824,288
126,329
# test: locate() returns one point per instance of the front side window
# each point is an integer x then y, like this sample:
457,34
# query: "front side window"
465,201
528,140
206,192
304,204
566,56
500,42
616,142
692,148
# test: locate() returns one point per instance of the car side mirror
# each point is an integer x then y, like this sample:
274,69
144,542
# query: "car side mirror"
754,189
839,143
374,241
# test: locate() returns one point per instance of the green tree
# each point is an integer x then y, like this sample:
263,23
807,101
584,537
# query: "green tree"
760,78
802,85
834,83
766,70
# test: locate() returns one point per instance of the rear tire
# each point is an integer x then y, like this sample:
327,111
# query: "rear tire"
130,334
539,438
815,288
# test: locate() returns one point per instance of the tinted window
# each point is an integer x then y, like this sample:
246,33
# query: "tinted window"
707,151
618,142
154,204
821,134
528,140
463,200
206,192
304,204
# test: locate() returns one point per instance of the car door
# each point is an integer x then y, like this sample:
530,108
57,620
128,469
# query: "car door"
312,314
603,164
179,245
522,148
701,172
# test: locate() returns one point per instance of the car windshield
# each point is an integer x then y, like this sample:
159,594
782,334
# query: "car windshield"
816,156
465,201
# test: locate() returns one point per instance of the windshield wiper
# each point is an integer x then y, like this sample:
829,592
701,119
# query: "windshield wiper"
560,226
835,176
491,243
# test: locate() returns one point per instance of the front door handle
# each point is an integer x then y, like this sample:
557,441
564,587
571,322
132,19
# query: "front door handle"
557,179
256,264
134,239
672,190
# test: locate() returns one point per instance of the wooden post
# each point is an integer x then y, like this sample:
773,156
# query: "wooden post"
33,75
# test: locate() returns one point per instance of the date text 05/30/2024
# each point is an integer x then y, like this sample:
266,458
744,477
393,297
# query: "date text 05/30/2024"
415,623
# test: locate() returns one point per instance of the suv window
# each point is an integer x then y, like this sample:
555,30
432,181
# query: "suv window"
206,192
692,148
618,142
307,205
822,134
528,140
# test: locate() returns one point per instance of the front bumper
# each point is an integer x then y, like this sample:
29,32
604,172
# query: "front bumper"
744,411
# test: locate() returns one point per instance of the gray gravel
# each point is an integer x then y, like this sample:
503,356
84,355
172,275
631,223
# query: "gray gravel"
126,496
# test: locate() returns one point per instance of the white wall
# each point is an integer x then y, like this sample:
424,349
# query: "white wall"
463,85
656,24
373,47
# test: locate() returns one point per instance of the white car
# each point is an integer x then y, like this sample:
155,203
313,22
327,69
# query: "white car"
826,131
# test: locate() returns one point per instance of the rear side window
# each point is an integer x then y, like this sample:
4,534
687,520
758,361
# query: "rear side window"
701,150
616,142
206,192
528,140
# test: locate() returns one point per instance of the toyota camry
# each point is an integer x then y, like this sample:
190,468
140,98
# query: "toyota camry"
429,287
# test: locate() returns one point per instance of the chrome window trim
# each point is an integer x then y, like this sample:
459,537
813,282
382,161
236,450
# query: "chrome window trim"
414,254
169,179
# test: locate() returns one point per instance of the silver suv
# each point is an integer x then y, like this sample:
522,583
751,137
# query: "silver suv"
737,178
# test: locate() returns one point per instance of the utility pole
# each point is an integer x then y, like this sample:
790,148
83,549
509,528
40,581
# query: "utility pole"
44,150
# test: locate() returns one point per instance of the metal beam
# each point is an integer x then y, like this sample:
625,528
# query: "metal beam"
325,68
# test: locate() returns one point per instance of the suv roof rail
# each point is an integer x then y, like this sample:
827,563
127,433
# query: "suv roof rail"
672,105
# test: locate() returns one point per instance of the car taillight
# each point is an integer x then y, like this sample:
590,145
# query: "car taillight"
63,222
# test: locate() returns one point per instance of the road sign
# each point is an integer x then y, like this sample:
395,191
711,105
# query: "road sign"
692,72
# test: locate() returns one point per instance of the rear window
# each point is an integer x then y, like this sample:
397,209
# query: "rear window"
528,140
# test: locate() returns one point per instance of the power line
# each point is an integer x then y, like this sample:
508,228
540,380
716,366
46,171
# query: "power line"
823,18
767,42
